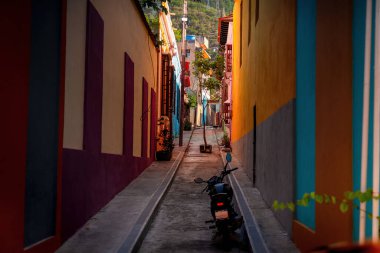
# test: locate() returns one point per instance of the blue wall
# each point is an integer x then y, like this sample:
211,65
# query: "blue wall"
177,96
305,107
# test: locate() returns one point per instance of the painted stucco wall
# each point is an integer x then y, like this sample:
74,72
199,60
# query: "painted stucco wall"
31,95
265,79
119,72
122,33
333,123
268,62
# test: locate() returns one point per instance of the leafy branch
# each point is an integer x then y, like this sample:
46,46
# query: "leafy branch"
348,200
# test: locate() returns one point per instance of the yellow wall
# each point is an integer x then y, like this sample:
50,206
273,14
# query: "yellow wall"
267,74
124,31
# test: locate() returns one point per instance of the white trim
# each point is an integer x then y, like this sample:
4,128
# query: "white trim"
364,155
376,129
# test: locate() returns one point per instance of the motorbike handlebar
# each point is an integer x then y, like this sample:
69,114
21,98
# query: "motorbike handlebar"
229,171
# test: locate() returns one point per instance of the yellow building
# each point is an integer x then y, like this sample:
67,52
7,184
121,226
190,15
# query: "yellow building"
111,84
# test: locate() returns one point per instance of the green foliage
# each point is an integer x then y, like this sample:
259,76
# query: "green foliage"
349,199
206,71
202,66
178,34
218,67
154,4
187,125
211,84
192,99
203,19
226,140
153,21
166,140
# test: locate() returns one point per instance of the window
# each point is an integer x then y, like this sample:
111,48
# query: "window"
229,58
167,75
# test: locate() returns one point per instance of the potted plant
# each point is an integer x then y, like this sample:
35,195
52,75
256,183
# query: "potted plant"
187,125
226,141
166,145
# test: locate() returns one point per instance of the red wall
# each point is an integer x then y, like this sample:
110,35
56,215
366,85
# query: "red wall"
15,24
14,71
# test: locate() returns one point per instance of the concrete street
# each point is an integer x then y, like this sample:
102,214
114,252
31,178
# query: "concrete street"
179,224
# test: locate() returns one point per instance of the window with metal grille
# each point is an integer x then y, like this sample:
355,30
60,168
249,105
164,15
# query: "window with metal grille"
167,82
229,58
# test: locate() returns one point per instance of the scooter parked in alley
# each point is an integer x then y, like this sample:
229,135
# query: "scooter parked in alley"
226,220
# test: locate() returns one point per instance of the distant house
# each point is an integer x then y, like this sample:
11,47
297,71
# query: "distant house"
194,43
170,90
225,38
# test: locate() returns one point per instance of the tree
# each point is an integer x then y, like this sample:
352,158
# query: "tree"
209,73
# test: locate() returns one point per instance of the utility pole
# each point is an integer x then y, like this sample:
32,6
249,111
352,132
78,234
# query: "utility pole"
184,20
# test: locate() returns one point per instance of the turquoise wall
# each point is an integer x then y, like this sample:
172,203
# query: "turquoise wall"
176,96
305,107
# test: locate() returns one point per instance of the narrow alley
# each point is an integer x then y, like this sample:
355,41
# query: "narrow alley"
179,225
104,103
163,210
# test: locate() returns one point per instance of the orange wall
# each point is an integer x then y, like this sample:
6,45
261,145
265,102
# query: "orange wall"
267,74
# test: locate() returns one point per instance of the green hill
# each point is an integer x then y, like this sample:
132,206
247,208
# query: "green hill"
202,17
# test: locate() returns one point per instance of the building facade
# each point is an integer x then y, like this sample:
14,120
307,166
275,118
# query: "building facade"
225,39
171,71
299,129
110,104
79,90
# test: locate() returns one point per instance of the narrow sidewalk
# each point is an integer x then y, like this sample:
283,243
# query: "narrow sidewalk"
118,226
258,215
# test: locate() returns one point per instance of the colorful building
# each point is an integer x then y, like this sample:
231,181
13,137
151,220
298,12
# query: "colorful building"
110,104
298,76
171,71
194,43
79,97
225,39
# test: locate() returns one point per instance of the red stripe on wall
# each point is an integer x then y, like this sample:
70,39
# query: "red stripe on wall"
144,119
128,105
93,80
153,124
15,18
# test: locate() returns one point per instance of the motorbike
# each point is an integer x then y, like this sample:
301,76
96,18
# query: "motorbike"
226,220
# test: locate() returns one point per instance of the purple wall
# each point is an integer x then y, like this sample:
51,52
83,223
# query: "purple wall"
128,105
153,123
144,120
91,179
93,81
